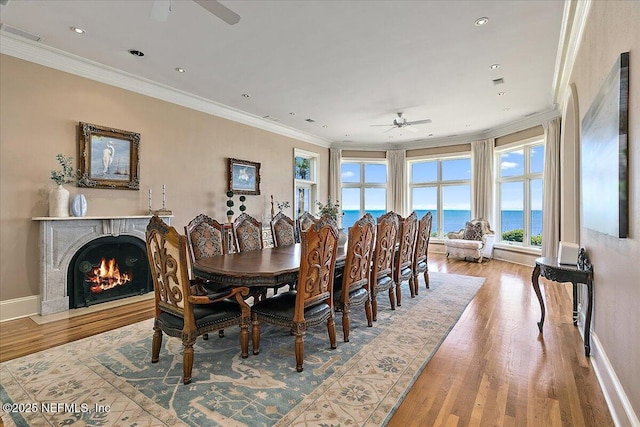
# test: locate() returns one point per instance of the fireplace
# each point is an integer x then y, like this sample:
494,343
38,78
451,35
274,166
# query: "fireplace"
106,269
62,240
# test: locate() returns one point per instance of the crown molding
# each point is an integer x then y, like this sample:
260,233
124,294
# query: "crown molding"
73,64
574,20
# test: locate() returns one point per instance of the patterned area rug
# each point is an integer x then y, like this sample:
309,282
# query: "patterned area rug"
108,379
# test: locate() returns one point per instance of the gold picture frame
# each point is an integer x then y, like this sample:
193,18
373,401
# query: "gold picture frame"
244,177
109,158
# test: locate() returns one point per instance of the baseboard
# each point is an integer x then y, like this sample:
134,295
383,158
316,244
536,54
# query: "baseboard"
19,307
617,400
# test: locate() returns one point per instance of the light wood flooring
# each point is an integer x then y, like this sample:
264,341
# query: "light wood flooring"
493,369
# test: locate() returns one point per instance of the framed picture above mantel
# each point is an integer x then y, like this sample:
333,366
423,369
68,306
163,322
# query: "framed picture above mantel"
244,177
109,158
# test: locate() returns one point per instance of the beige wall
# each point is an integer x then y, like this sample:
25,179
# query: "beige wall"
612,28
185,149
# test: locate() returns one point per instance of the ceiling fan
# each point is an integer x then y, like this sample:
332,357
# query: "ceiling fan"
402,123
160,10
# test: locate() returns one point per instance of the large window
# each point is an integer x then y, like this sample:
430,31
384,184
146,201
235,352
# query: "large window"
364,189
442,186
305,174
519,192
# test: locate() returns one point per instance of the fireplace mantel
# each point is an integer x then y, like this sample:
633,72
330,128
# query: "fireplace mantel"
61,238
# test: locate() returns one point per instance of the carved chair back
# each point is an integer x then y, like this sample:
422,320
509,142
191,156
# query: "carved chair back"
248,233
305,220
406,242
205,237
283,230
385,246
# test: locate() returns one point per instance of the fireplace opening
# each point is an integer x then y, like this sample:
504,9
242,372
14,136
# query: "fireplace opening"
106,269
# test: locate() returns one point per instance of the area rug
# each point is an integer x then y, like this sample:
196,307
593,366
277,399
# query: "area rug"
108,379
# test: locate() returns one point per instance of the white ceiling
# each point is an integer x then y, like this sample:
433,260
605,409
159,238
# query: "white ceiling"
345,64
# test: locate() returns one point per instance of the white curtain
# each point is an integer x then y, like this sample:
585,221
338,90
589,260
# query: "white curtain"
551,189
335,191
396,188
482,180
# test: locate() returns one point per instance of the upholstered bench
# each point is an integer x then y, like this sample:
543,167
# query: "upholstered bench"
474,241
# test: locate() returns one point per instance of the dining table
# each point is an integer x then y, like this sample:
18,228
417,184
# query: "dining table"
268,267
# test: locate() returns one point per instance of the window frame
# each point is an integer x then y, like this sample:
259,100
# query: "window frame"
361,184
438,229
312,184
526,178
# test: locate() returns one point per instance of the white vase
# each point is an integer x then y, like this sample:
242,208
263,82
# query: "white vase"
78,206
59,202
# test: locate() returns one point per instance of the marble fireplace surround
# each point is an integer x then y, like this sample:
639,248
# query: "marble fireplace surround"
61,238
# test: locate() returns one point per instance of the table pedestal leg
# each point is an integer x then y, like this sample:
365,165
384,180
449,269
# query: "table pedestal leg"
536,287
575,303
587,325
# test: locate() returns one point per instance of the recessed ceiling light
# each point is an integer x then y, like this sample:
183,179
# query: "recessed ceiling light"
325,126
494,66
135,52
346,134
501,93
292,113
481,21
77,30
505,109
430,134
245,95
180,70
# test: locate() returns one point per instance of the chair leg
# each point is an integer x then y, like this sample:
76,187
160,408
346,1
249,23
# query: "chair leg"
255,334
399,293
221,333
331,327
368,312
244,340
205,337
426,278
413,285
155,346
299,345
392,297
187,362
345,323
374,307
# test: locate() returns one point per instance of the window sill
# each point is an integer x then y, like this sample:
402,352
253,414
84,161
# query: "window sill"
516,248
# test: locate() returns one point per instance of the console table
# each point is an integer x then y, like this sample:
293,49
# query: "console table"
582,272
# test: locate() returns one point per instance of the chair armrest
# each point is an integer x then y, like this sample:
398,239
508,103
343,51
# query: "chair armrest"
238,293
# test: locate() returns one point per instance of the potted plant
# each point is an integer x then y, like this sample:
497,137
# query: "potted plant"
59,196
333,210
230,205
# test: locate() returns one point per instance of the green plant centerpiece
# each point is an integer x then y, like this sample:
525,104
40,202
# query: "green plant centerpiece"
332,208
66,174
230,205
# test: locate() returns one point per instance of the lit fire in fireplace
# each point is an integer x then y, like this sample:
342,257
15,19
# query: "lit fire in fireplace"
107,276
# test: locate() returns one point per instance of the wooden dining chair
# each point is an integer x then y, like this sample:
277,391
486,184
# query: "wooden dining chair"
305,220
178,312
205,237
403,269
351,288
283,230
312,303
248,233
383,256
420,256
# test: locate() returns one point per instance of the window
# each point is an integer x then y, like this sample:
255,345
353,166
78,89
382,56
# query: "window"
442,186
364,189
519,193
305,177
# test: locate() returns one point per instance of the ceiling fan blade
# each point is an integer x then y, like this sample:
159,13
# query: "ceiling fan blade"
410,128
390,129
381,125
220,10
160,10
419,122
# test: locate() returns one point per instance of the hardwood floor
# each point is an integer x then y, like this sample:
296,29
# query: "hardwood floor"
492,369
